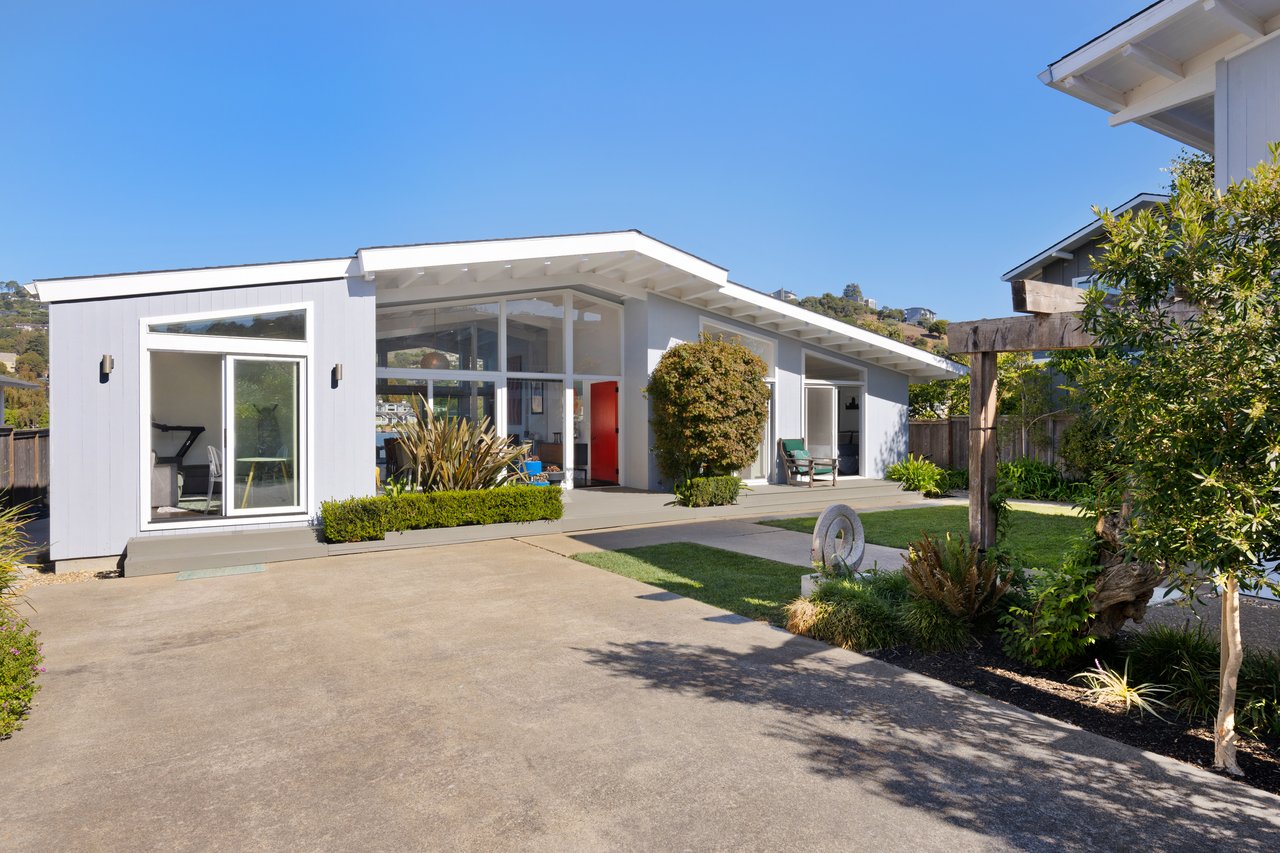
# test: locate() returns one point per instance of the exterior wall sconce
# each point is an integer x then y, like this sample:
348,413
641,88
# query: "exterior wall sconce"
106,365
337,374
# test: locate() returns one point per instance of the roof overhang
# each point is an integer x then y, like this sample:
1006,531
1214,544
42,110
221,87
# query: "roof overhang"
621,264
1031,267
1158,68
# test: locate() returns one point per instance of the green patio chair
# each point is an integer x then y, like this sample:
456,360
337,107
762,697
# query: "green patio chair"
797,462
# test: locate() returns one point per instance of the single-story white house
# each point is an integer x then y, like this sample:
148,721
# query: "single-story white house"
268,382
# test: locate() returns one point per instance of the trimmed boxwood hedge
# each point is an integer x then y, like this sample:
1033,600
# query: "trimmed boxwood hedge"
365,519
709,491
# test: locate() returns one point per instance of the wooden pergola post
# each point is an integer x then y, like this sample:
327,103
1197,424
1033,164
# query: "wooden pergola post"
1053,324
982,449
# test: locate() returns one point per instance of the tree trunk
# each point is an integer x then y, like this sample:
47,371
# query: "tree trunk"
1232,652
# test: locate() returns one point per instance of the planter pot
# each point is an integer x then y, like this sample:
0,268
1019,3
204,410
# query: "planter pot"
555,476
531,468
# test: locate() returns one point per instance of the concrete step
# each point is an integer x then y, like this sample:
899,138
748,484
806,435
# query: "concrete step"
156,555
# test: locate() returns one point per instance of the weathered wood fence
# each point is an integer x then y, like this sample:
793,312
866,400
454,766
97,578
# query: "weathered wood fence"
24,464
946,442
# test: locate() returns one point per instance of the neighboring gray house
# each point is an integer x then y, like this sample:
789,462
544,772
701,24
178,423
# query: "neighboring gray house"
1070,260
266,383
1203,72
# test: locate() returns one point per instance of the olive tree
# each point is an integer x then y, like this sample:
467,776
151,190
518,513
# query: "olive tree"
709,407
1186,311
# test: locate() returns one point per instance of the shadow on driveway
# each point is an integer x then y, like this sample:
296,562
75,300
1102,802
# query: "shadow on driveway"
978,764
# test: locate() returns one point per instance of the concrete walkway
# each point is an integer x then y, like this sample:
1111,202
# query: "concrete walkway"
496,696
742,537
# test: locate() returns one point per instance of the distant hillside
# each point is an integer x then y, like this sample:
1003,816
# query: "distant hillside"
889,322
24,332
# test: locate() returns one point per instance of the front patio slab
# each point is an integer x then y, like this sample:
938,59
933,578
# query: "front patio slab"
499,696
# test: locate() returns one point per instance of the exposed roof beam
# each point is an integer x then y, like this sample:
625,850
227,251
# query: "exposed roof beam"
634,275
1100,93
627,257
792,326
1154,61
413,276
1062,256
559,266
445,277
493,271
1199,85
1235,17
719,303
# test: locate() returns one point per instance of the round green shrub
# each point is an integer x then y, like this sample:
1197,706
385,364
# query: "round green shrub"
933,628
20,665
709,405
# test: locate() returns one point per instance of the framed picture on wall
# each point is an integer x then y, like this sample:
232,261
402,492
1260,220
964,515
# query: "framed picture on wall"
535,401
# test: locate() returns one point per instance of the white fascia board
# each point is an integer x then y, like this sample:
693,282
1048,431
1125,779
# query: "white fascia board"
1079,237
175,281
1100,49
922,366
374,260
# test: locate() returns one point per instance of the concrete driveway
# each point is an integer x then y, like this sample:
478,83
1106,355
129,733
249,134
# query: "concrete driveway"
499,696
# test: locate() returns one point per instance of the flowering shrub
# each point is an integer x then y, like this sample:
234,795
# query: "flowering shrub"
20,664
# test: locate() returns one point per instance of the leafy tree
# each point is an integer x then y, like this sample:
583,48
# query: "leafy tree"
1023,388
941,398
31,365
939,327
852,291
892,314
710,403
1189,392
1195,168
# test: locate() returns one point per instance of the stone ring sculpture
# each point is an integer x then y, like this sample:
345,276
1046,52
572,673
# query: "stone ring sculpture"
839,543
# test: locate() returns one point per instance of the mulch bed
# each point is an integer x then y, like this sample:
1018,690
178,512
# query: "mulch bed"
987,670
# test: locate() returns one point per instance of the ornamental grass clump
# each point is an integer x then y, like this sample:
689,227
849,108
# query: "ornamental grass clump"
455,454
858,614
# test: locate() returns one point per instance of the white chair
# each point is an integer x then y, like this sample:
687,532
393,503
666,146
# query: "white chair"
215,476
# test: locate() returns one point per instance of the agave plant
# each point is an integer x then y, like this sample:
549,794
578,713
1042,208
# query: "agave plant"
448,454
956,575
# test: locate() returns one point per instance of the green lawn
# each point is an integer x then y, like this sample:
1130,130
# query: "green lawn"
750,586
1036,539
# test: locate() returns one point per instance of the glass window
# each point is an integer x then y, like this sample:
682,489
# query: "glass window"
597,338
535,335
451,398
458,337
759,346
264,400
276,325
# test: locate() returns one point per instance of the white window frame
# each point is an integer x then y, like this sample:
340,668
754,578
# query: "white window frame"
149,341
501,376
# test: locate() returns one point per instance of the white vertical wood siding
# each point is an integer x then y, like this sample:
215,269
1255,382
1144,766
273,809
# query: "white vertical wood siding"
1246,110
94,440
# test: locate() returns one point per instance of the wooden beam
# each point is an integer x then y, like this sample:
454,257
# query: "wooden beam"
1062,256
1235,17
1038,297
1019,334
1154,61
982,449
1100,93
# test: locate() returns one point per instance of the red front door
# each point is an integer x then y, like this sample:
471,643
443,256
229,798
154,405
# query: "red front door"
604,432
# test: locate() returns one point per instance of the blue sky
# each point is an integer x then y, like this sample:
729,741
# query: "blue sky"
799,145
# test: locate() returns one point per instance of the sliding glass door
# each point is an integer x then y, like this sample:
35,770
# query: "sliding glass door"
263,402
